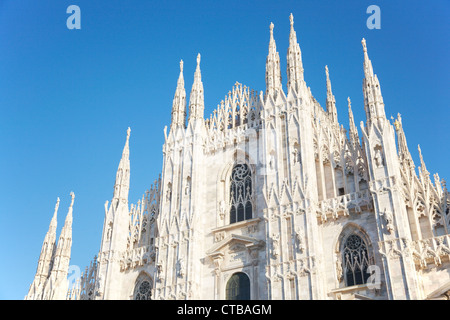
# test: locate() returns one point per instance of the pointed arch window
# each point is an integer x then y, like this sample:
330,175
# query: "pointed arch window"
241,205
355,260
238,287
143,288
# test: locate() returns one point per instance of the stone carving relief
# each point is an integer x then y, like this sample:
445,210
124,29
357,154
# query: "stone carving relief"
300,240
275,245
378,158
389,220
222,209
169,192
181,268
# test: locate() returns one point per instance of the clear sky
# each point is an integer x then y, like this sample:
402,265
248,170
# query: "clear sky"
67,97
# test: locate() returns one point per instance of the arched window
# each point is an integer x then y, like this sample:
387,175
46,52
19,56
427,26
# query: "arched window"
238,287
240,193
143,288
355,260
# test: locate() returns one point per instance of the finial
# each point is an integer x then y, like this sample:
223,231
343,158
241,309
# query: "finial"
363,41
422,163
271,29
56,209
291,19
349,102
198,59
73,198
128,132
181,65
326,71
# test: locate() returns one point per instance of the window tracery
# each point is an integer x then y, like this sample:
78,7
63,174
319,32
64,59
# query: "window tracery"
355,260
143,289
241,205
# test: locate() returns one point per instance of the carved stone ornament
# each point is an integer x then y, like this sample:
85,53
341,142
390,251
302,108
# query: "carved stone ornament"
275,245
378,158
300,240
389,220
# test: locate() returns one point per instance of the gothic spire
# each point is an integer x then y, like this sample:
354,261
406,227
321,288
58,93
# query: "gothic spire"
273,72
62,255
354,137
122,184
294,60
48,249
56,285
403,151
368,69
69,217
423,172
179,102
53,222
373,100
196,99
331,101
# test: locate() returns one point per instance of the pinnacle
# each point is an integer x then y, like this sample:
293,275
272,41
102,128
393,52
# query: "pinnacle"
329,93
196,101
56,207
363,41
72,194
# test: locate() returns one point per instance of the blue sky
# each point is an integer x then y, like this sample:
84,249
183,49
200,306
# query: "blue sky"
68,96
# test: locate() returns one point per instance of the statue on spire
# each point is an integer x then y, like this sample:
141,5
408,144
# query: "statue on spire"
72,195
363,41
57,204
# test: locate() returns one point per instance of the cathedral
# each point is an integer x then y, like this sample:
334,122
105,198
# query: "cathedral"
268,198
